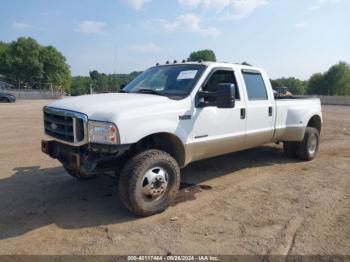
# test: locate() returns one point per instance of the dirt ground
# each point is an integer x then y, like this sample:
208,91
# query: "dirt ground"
251,202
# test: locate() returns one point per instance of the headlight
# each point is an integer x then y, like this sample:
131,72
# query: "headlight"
102,132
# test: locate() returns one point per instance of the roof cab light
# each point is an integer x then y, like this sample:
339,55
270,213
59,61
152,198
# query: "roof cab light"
102,132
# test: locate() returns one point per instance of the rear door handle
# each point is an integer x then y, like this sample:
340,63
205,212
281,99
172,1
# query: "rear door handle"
270,110
243,113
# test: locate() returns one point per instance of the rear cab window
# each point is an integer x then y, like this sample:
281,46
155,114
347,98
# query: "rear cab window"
255,85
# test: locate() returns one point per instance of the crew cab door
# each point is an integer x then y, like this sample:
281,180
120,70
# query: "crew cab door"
216,130
260,108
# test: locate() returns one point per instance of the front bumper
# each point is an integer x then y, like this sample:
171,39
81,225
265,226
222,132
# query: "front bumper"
89,159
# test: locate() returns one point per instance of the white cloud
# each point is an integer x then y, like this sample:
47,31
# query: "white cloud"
320,3
136,4
187,23
145,48
189,3
301,25
230,9
91,27
244,8
18,25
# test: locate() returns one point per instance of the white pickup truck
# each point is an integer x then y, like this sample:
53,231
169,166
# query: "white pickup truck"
170,116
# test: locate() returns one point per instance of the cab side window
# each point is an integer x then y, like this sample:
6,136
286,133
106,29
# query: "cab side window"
255,85
221,76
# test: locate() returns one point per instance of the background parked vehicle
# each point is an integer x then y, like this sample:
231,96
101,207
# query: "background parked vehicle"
6,97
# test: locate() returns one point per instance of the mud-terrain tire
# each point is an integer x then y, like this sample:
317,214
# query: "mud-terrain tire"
141,178
290,149
78,175
308,148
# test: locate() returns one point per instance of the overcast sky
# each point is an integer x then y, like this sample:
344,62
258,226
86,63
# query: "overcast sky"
286,37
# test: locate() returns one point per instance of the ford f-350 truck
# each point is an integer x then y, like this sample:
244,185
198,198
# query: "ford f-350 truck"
170,116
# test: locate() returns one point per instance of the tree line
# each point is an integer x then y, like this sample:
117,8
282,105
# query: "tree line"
26,63
335,82
100,82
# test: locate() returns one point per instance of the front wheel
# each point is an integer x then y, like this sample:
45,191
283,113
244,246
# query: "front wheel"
149,182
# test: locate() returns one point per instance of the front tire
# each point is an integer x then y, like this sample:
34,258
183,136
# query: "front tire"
308,148
149,182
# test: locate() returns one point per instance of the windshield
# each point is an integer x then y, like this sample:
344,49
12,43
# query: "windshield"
169,80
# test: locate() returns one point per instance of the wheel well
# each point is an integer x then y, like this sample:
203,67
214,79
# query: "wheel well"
163,141
315,122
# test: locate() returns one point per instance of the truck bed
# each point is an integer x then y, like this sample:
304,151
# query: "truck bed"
292,115
294,97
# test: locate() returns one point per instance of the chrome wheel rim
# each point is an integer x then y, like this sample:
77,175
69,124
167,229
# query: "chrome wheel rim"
154,183
312,144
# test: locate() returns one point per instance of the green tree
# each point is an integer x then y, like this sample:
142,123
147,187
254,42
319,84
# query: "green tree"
55,68
24,61
27,63
4,63
3,47
295,86
94,75
80,85
337,79
204,55
102,83
317,85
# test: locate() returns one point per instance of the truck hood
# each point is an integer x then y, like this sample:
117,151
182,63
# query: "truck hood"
105,107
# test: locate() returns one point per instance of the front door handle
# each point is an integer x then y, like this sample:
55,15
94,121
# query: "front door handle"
243,113
270,111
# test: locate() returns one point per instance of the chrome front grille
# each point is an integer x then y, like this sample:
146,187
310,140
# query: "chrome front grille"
66,126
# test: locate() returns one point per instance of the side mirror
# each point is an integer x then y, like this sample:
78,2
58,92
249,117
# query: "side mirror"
225,95
204,99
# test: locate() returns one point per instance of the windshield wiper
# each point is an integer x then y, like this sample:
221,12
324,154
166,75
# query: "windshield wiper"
149,91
